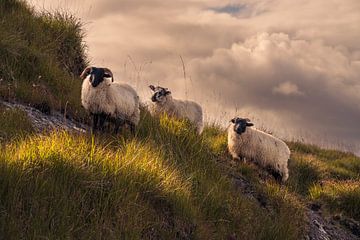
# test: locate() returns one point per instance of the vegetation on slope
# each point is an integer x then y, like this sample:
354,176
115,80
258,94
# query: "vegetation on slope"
13,123
326,176
163,183
41,58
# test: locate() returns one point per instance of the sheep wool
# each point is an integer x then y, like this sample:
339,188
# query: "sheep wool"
181,109
260,147
112,98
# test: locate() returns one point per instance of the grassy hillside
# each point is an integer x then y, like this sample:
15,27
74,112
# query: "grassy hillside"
328,177
163,183
41,58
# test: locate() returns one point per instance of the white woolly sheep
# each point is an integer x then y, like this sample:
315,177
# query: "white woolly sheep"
252,144
109,100
163,102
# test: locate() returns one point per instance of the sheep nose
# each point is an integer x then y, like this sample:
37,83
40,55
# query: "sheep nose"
95,83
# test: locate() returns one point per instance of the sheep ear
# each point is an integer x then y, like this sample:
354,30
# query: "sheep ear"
152,87
233,120
167,92
85,73
249,124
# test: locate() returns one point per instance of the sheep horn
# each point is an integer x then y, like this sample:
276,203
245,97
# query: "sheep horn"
85,72
110,73
249,124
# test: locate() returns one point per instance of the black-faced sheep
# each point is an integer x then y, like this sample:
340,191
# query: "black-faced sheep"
163,102
108,100
252,144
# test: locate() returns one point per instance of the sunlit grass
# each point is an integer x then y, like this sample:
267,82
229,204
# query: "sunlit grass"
326,176
216,138
164,182
340,197
83,181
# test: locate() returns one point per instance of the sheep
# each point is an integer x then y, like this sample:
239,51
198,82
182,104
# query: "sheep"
252,144
163,102
105,100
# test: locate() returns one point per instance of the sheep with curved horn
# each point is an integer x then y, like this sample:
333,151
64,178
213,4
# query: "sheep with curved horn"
108,100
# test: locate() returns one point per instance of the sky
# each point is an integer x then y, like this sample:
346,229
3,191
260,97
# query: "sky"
292,67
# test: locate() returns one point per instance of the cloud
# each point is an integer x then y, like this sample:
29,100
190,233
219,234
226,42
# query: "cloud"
287,89
310,86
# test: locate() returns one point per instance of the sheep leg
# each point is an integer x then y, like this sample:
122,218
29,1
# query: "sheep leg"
95,122
118,123
132,128
276,175
116,128
102,119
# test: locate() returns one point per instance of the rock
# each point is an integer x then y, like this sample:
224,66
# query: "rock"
352,225
47,121
315,206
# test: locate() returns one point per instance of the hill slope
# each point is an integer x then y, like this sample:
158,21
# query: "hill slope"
41,58
163,183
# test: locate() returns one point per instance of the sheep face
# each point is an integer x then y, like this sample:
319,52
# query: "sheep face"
97,75
160,93
240,124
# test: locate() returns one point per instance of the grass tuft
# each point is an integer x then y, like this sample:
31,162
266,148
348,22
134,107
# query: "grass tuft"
340,197
14,123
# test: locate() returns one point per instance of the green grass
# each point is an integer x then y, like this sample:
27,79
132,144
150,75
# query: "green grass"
163,183
42,55
327,176
13,123
339,197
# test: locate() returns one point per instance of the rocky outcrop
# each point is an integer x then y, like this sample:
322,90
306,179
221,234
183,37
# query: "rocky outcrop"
44,122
